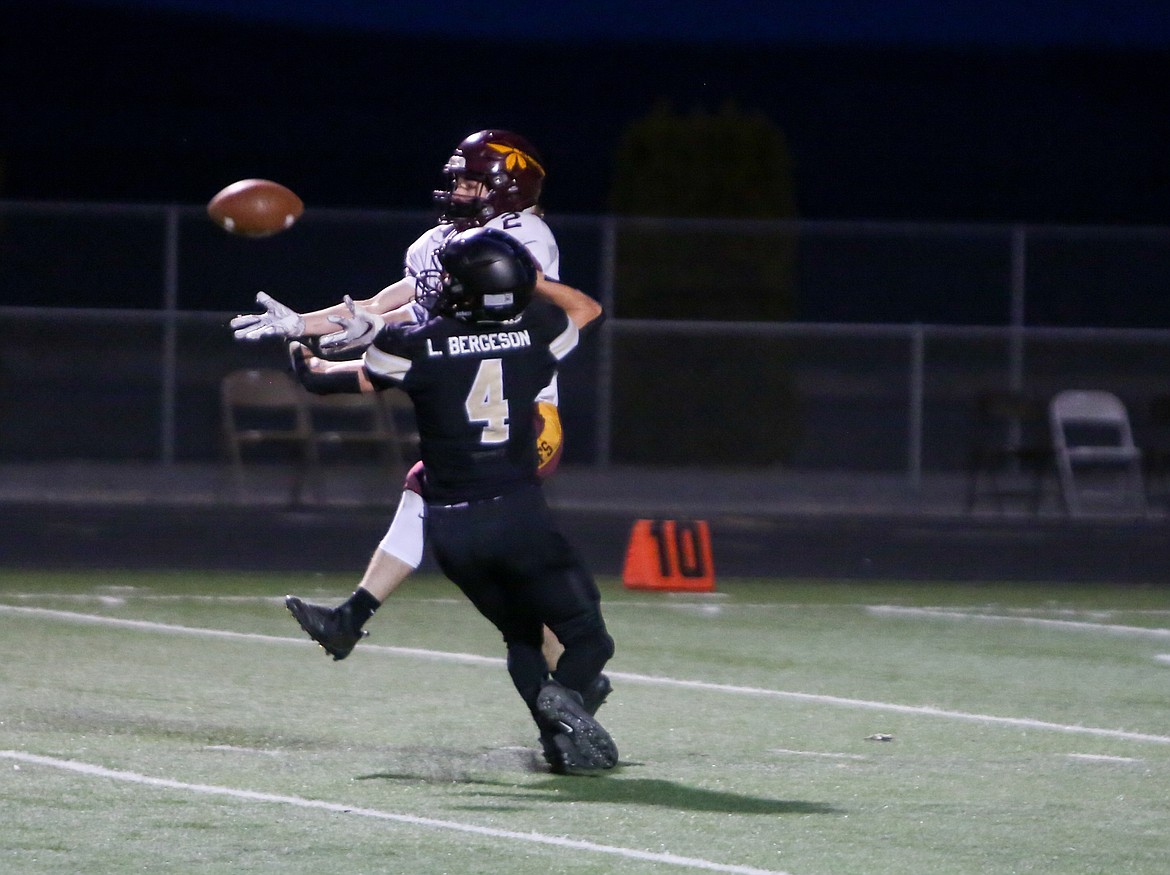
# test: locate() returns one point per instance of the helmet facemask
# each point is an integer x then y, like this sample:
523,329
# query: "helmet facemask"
479,275
430,285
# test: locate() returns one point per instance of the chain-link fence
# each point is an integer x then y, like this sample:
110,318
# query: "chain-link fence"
878,337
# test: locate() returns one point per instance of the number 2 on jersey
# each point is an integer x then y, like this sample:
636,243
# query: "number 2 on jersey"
486,402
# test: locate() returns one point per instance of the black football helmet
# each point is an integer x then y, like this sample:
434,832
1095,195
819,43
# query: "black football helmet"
510,169
481,275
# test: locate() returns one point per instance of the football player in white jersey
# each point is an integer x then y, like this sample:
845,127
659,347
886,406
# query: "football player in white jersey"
494,180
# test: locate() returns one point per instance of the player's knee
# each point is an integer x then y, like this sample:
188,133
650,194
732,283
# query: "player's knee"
414,478
586,632
608,648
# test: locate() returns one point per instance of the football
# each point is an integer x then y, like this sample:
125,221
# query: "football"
550,438
255,208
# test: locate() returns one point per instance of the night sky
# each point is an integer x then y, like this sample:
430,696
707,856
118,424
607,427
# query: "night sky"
963,111
866,22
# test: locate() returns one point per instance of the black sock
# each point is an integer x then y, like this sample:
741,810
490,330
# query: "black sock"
361,606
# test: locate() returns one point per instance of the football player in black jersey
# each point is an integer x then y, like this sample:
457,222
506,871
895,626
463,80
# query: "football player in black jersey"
473,371
495,179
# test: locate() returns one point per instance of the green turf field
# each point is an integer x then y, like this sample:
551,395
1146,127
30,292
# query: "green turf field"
180,723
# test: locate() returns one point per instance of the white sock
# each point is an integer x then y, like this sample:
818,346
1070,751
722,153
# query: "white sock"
404,538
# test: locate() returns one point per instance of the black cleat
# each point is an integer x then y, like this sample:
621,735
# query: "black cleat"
548,746
595,694
574,743
326,626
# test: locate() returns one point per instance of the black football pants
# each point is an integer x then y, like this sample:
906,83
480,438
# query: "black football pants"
508,558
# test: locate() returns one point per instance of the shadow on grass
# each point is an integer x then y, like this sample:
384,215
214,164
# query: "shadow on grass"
617,790
669,794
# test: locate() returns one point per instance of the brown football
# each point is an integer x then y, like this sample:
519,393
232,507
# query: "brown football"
255,208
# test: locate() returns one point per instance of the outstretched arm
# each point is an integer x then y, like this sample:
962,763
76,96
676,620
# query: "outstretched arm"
388,299
277,320
323,377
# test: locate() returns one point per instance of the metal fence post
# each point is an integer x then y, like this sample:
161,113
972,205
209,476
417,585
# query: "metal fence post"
1019,279
170,336
917,383
1018,289
608,268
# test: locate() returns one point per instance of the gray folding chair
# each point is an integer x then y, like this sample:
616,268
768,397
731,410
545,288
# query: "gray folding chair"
1011,455
1099,466
365,421
267,406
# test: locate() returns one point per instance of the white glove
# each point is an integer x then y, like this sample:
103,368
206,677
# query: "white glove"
358,330
277,320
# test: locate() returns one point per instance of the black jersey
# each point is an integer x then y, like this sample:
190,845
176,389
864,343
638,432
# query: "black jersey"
473,386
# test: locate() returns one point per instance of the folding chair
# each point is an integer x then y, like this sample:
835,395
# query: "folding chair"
266,406
364,421
1095,452
1011,456
399,410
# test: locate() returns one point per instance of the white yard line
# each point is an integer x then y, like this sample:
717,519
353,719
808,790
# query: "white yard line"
231,748
925,710
631,677
118,595
122,594
1078,625
151,626
1101,758
408,819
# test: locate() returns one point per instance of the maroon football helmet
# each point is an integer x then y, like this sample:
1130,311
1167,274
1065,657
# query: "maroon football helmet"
509,168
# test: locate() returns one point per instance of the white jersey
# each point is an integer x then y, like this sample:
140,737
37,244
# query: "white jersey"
527,227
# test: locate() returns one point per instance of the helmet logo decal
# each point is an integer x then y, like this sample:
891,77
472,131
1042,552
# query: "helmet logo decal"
514,158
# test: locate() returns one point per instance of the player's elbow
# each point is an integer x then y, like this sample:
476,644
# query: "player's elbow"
589,316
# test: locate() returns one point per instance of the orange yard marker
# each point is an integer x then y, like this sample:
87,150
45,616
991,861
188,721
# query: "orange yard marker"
672,555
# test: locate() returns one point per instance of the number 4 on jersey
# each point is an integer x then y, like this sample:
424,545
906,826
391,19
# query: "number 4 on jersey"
486,402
